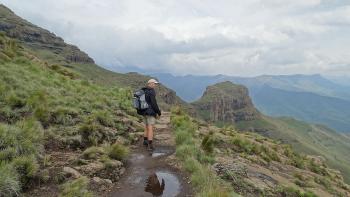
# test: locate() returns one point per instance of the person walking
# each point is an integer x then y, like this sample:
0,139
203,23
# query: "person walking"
151,113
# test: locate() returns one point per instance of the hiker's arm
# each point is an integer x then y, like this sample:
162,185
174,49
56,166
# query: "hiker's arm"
154,104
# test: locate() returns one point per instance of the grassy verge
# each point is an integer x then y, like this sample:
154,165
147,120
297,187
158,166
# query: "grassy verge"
50,106
196,157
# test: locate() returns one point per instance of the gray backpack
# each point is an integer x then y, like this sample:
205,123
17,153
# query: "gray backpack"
139,100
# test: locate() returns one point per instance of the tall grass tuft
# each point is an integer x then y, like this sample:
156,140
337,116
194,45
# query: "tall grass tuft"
193,155
76,188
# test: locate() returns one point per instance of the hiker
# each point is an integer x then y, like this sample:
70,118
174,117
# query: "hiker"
151,113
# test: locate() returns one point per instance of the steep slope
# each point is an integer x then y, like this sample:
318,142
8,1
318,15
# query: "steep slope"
54,50
309,107
249,164
46,44
305,138
48,115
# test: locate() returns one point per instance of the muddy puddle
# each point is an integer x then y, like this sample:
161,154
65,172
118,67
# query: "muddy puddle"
162,183
162,151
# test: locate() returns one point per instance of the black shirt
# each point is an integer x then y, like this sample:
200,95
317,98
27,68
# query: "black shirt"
150,96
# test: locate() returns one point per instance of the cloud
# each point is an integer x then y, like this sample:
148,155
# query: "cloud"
249,37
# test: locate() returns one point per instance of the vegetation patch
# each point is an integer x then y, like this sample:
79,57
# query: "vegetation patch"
205,181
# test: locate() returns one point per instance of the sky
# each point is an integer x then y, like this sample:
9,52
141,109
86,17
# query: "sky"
202,37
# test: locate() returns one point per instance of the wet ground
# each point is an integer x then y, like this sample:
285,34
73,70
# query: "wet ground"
149,174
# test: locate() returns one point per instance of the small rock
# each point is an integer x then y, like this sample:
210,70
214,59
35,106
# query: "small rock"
122,171
71,172
92,168
115,164
98,180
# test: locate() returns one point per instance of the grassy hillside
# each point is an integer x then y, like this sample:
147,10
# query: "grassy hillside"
47,111
53,50
92,72
304,137
249,163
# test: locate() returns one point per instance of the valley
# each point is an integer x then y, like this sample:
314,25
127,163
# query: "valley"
68,128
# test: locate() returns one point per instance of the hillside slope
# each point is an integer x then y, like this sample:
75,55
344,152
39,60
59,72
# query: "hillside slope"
250,164
53,50
305,138
47,116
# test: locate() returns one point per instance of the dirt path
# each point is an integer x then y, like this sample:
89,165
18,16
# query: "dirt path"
154,174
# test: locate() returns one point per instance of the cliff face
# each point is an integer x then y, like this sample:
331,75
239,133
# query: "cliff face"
226,102
39,39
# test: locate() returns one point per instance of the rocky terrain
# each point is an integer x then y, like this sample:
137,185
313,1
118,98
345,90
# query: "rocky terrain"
38,39
226,102
254,165
229,104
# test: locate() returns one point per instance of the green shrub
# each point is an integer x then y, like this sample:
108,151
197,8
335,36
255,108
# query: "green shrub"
243,145
208,143
192,165
93,152
64,116
316,168
118,152
9,180
104,118
22,60
185,151
323,181
15,101
290,191
26,166
7,154
183,137
76,188
90,133
25,138
274,156
205,158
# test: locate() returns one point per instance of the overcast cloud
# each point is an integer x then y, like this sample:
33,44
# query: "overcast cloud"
247,38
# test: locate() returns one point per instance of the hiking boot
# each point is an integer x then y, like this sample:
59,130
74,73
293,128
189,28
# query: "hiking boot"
145,143
150,147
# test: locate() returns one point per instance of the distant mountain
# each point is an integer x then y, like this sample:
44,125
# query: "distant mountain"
227,104
306,106
191,87
341,80
310,98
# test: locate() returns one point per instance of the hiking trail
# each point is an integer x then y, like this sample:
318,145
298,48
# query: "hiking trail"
154,174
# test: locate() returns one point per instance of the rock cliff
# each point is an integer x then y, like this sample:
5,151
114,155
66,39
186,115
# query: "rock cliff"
226,102
39,39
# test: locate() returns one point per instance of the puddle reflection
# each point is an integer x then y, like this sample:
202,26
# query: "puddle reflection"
153,185
162,184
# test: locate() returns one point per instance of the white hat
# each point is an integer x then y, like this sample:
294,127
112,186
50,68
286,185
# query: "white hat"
152,81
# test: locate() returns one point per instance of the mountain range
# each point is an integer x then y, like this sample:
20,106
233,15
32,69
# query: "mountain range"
60,113
311,98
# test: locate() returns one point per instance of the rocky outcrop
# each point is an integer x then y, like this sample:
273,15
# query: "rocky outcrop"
226,102
38,39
